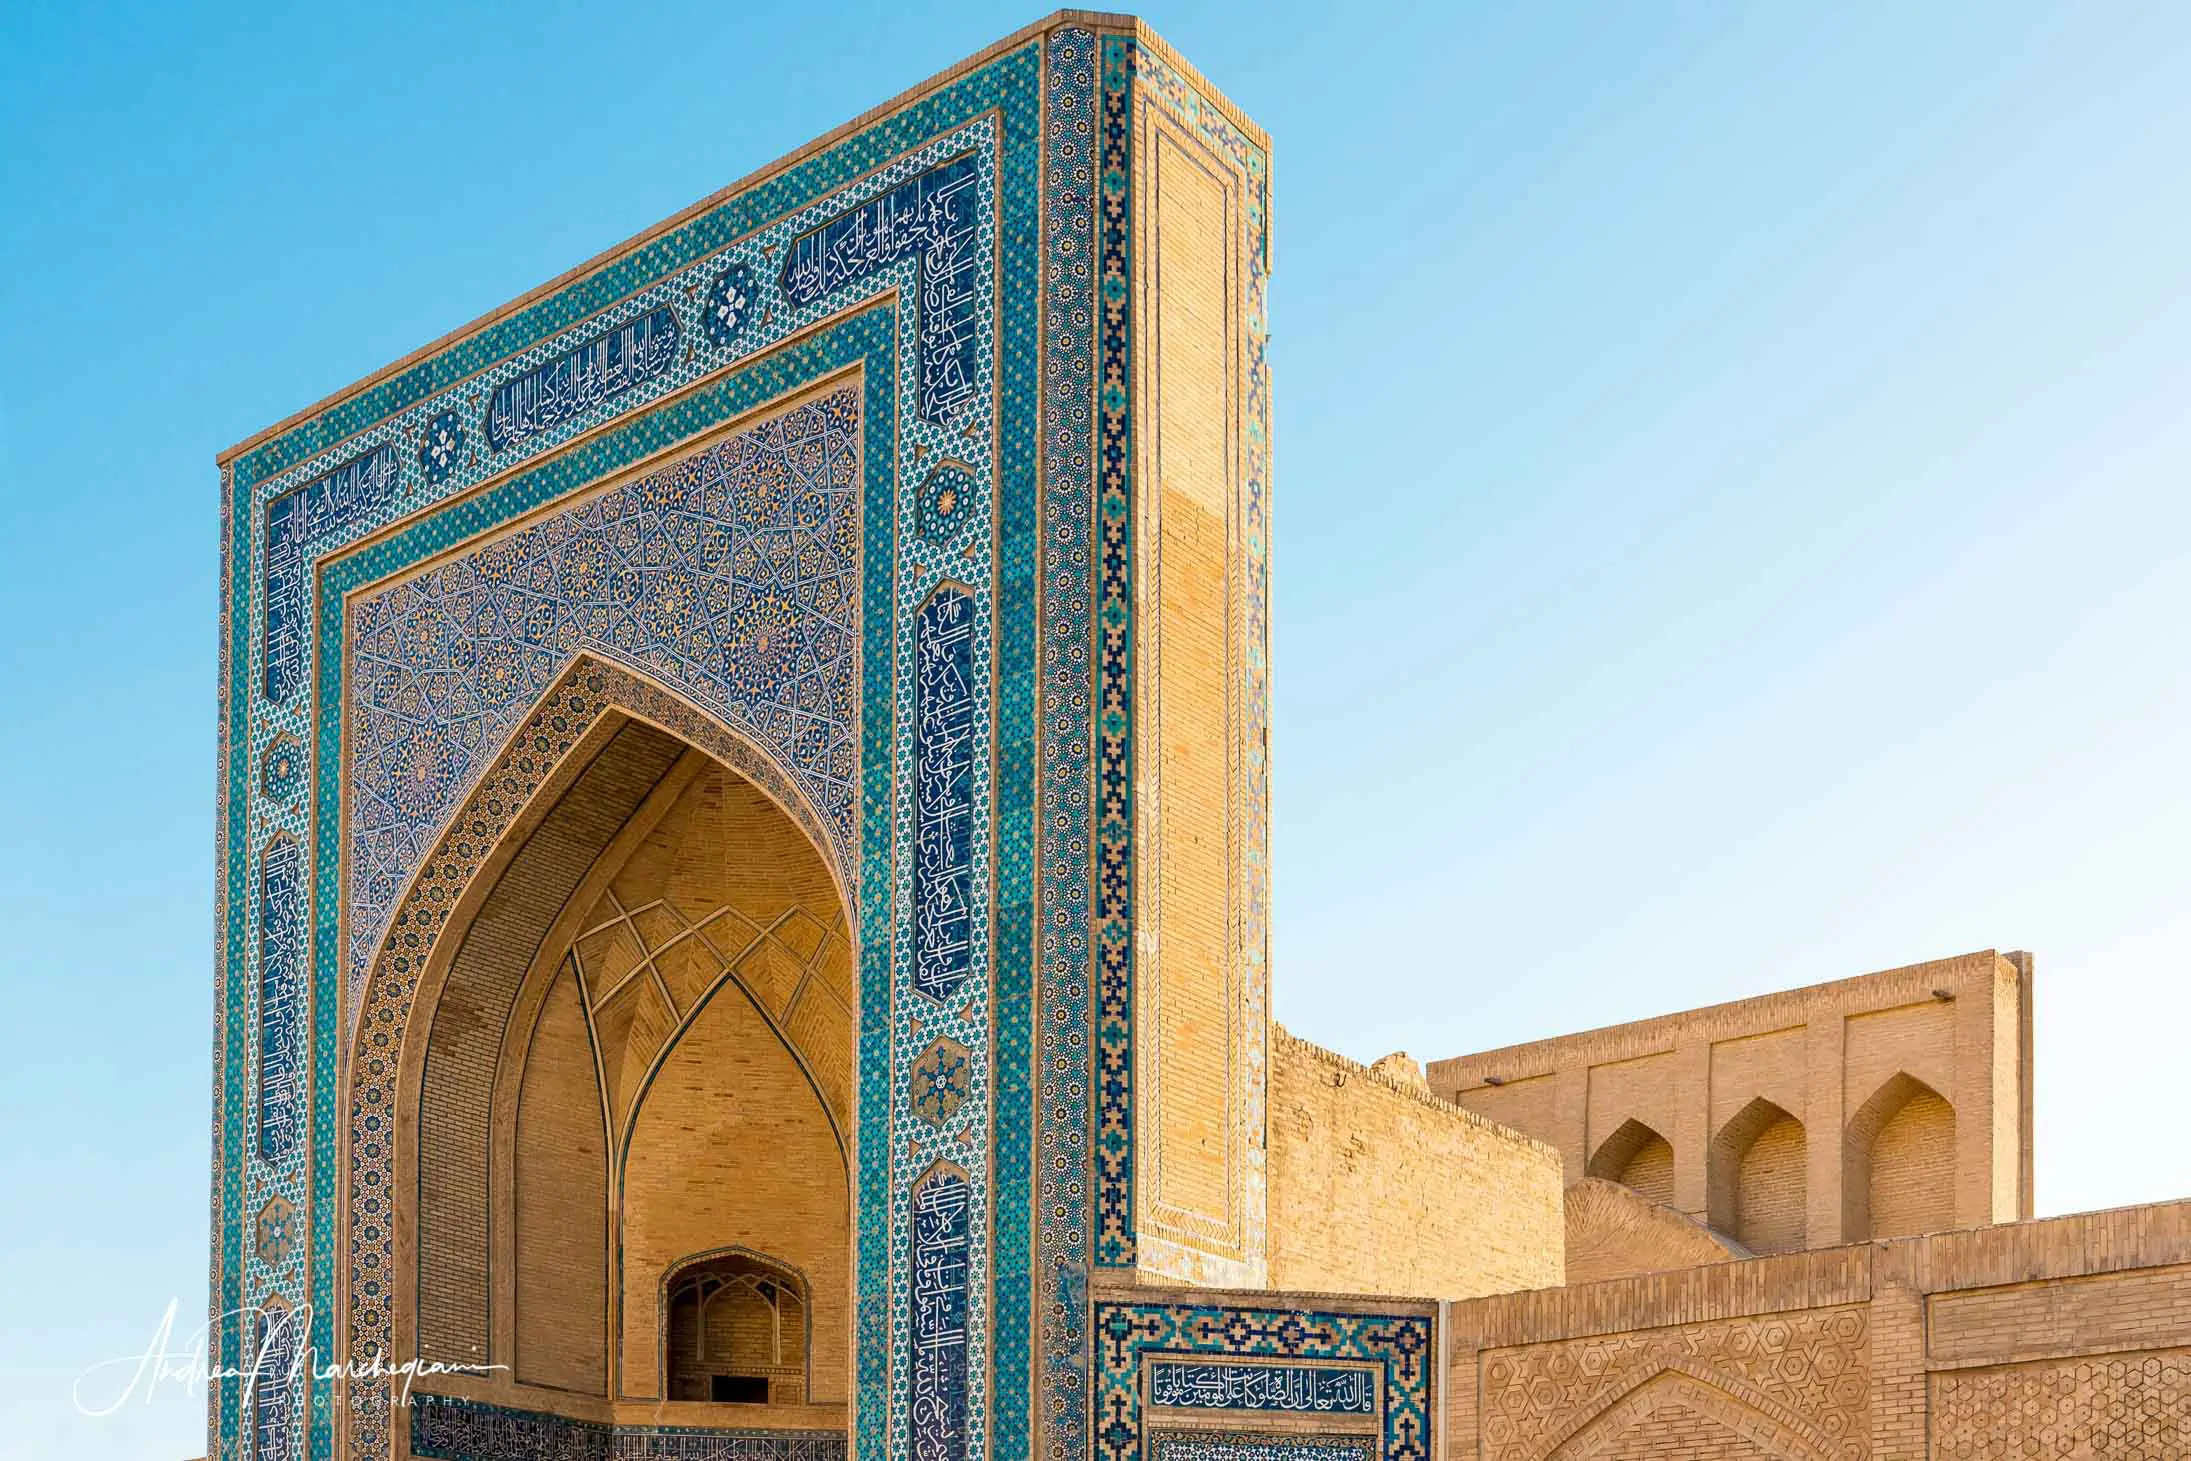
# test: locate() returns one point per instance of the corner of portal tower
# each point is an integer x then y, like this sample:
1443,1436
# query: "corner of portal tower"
1183,680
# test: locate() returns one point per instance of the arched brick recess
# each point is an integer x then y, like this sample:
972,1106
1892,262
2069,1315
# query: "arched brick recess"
1898,1163
1755,1174
1651,1421
1639,1158
590,704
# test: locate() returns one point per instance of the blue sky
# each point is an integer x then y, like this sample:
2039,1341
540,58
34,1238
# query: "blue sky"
1732,527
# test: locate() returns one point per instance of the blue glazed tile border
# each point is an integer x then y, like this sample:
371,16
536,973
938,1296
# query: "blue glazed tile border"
1129,1330
1038,585
867,339
452,1429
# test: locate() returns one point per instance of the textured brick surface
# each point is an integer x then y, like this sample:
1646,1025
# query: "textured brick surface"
561,1243
1784,1120
1201,1046
1613,1231
651,1020
1378,1187
2061,1338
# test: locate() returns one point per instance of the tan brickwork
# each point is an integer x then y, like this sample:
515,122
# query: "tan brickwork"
651,1014
1679,1424
2126,1407
1843,1063
560,1244
1761,1171
1910,1178
732,1148
1378,1187
2064,1337
1200,1052
1649,1170
461,1043
1613,1231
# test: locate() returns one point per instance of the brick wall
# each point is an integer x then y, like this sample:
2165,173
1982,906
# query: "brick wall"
1200,1081
1613,1231
1378,1187
732,1147
1913,1085
2067,1337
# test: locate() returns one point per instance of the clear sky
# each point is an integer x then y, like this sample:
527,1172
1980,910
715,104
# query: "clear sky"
1733,523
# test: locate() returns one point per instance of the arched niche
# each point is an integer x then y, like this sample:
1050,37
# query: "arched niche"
736,1329
1639,1158
612,1026
1756,1179
1898,1155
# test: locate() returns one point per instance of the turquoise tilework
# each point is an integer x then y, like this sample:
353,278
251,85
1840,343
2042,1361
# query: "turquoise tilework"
1059,563
868,340
1028,455
1127,1331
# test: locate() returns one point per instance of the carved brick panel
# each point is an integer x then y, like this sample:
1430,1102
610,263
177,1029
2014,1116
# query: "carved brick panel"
1798,1384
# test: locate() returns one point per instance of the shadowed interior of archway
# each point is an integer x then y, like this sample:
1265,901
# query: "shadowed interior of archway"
636,1091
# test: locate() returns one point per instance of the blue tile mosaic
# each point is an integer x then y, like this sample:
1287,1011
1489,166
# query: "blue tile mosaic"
580,381
1397,1346
942,1220
1201,1445
966,308
442,447
297,521
281,769
274,1380
733,574
1053,745
947,498
730,303
453,1429
539,743
281,1001
1305,1388
944,707
942,1079
931,218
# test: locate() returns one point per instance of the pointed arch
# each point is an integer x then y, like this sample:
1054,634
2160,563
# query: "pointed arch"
1639,1158
1898,1162
575,771
692,1345
1599,1433
1756,1179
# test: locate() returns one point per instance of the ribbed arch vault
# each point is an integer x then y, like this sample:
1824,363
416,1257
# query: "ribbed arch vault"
630,1043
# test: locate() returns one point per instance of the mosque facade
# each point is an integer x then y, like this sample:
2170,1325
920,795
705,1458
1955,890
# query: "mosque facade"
743,916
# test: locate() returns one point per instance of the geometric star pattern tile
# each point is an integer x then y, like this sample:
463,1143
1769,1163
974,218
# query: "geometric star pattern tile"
732,572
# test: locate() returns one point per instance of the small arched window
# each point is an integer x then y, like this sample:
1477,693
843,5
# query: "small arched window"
737,1331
